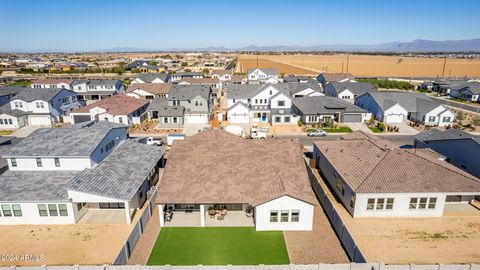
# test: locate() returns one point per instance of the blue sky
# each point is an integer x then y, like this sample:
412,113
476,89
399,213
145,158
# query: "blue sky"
72,25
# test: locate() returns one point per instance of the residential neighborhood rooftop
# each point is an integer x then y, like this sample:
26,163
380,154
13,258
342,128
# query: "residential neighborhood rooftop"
52,81
188,92
449,134
153,88
149,77
323,104
115,105
408,100
32,94
161,106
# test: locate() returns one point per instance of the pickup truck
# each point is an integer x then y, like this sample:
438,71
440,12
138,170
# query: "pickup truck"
153,141
258,133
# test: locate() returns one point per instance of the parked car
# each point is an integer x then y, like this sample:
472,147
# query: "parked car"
258,133
317,133
153,141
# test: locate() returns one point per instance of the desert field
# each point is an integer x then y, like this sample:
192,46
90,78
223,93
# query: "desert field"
362,65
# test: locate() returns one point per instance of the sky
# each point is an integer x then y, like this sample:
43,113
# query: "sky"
87,25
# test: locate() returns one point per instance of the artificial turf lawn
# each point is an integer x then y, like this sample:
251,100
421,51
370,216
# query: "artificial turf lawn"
218,246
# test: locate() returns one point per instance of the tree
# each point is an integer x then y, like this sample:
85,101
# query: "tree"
184,64
460,116
153,63
206,71
188,70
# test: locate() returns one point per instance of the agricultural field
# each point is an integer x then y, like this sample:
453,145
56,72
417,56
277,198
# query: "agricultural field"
363,65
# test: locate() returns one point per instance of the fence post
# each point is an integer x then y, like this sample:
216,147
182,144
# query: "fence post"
412,266
440,266
381,265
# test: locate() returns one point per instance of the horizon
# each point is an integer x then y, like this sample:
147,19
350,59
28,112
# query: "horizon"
90,26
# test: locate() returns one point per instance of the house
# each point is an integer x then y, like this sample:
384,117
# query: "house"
52,83
152,68
395,107
8,92
138,64
149,90
166,115
461,149
299,79
469,91
61,175
93,90
326,78
120,109
183,75
42,106
222,75
324,109
373,178
195,99
152,78
348,91
262,75
279,198
214,83
266,103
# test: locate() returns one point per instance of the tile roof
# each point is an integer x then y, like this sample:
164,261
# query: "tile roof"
222,72
115,105
121,174
149,77
161,106
324,104
267,71
358,135
188,92
357,88
199,81
335,77
76,140
52,81
218,167
369,167
152,88
449,134
408,100
45,94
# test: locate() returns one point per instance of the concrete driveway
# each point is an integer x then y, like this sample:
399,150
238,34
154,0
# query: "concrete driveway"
192,129
359,126
25,131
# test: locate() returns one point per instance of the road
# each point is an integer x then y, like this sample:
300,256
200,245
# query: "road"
400,140
459,105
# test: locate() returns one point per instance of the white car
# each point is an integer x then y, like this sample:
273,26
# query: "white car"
152,141
317,133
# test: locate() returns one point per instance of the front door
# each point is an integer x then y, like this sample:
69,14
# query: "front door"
264,117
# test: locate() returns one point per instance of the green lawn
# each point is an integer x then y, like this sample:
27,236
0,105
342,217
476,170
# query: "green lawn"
21,83
375,130
218,246
338,130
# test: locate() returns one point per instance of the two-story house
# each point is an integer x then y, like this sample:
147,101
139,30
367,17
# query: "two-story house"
183,75
93,90
42,106
348,91
262,75
195,99
61,175
52,83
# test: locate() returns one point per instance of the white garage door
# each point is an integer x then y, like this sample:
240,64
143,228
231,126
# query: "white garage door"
43,120
196,119
394,118
238,118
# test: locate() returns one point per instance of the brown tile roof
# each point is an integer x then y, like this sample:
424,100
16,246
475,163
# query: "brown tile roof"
152,88
115,105
221,72
237,78
335,77
200,81
52,81
358,135
217,167
370,167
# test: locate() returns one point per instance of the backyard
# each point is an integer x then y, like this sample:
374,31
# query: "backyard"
218,246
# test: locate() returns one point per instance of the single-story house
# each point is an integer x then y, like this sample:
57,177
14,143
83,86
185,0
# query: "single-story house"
318,109
149,90
195,187
151,78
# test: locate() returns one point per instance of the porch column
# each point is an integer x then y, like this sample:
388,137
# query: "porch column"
127,212
202,215
162,218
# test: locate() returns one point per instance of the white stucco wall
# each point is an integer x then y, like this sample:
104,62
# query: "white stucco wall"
48,164
30,215
262,215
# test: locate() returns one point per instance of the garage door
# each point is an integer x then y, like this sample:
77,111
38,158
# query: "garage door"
81,118
196,119
394,118
352,118
43,120
238,118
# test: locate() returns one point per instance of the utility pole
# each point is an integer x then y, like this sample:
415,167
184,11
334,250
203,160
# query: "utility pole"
347,63
257,60
342,66
444,64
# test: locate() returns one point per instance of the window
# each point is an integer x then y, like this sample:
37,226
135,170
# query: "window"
14,162
17,210
432,203
413,203
175,120
80,206
446,119
389,205
431,119
10,122
165,120
120,119
196,102
380,203
1,122
39,162
423,203
278,119
281,103
273,216
7,211
52,210
62,208
40,104
286,119
295,216
284,216
57,162
42,210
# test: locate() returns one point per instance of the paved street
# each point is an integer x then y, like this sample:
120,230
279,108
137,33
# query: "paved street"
400,140
459,105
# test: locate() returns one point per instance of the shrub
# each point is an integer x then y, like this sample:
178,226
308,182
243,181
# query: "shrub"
381,126
300,123
388,84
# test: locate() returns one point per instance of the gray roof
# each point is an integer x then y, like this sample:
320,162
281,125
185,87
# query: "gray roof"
449,134
121,174
357,88
79,140
387,99
295,79
187,74
324,105
425,106
35,186
245,91
161,106
473,87
148,77
268,71
97,82
45,94
10,90
188,92
6,109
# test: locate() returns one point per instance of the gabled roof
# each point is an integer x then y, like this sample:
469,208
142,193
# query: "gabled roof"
408,100
267,71
245,91
199,81
324,105
97,82
215,166
10,90
187,74
152,88
239,103
115,105
447,135
222,72
296,79
335,77
52,81
190,91
425,106
357,88
45,94
369,167
7,109
149,77
79,140
121,174
161,106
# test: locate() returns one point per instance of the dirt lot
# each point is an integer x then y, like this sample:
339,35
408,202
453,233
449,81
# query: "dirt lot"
62,244
453,238
364,65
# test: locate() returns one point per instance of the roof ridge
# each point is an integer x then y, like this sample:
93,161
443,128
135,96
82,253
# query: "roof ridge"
281,183
374,168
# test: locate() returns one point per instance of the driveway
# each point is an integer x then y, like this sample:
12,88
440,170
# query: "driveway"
359,126
192,129
25,131
405,129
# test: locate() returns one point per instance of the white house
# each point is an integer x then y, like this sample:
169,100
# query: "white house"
326,78
262,75
195,100
348,91
194,188
93,90
52,83
120,109
149,90
57,176
183,75
395,107
38,106
373,178
151,78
